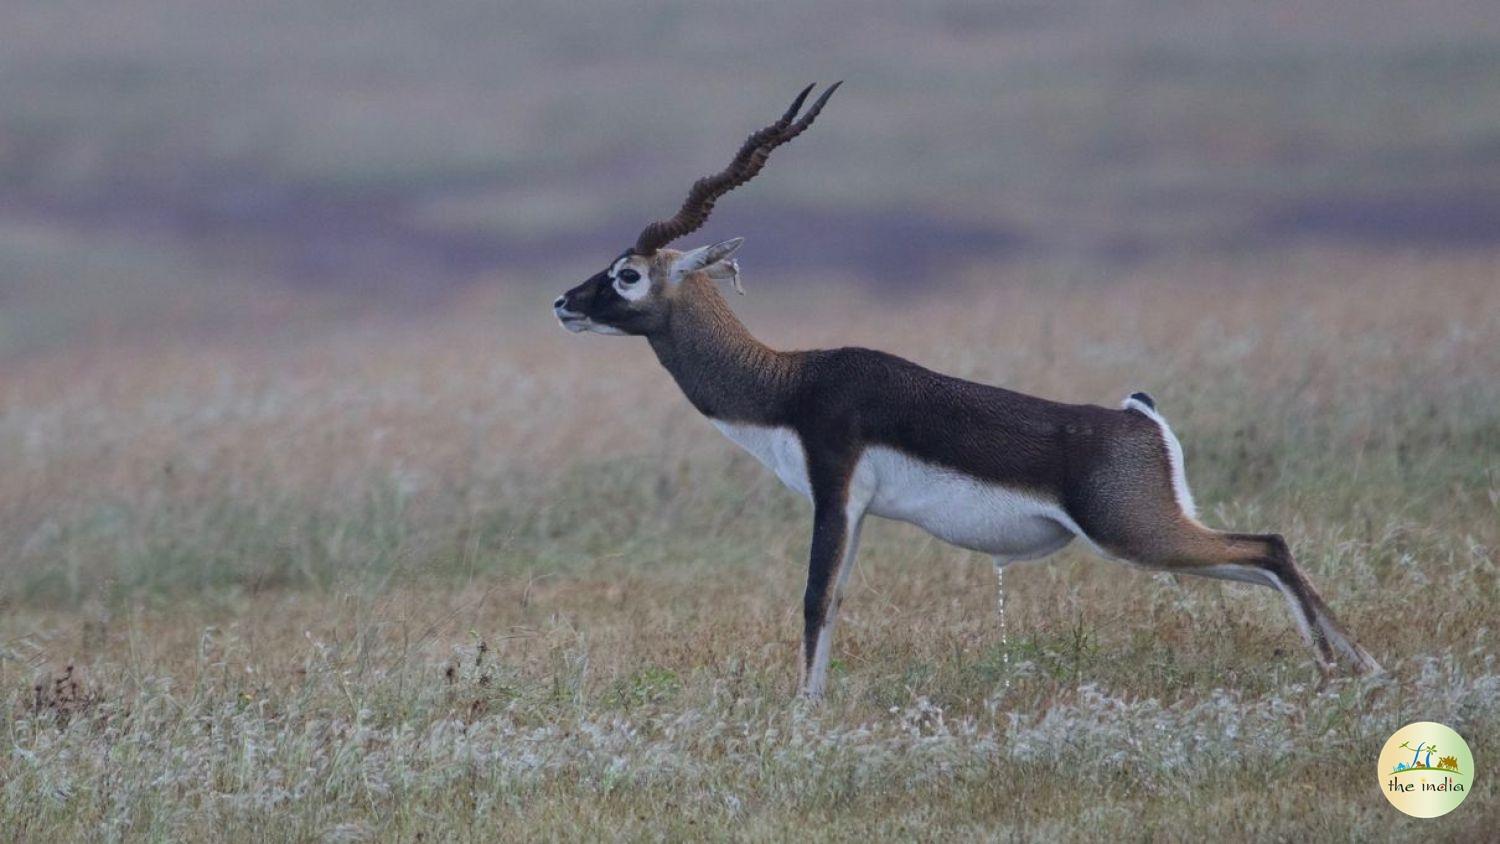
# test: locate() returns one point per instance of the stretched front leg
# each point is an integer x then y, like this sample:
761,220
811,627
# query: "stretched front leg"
838,515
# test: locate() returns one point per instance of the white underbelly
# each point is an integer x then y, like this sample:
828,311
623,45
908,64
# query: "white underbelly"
963,510
954,507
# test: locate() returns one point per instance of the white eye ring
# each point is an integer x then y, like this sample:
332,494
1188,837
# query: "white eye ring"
632,284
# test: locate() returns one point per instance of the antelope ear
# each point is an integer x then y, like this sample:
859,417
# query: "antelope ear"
704,257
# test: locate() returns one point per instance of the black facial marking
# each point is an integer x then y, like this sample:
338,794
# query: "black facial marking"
598,301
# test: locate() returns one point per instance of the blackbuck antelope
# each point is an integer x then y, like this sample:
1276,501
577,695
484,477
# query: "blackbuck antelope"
861,432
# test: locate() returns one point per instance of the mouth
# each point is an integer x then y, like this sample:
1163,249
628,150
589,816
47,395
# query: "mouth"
571,320
578,323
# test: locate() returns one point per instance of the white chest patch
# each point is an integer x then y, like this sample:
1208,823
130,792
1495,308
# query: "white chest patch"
954,507
779,449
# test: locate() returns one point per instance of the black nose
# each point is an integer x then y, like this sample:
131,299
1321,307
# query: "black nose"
560,301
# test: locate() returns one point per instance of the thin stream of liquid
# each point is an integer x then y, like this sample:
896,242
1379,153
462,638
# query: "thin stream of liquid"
1004,633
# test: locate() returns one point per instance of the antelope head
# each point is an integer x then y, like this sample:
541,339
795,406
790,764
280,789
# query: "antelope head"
635,293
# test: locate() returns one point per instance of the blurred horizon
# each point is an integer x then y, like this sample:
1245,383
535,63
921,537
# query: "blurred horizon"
166,166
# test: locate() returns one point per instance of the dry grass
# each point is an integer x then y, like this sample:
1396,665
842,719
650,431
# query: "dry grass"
469,576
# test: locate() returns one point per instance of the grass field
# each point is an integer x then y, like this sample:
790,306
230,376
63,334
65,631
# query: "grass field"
461,575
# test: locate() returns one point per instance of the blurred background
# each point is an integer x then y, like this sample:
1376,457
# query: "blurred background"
175,169
314,525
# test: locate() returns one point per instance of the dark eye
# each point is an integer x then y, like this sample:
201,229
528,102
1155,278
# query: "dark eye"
629,276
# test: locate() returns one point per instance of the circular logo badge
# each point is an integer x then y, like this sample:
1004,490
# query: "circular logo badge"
1426,770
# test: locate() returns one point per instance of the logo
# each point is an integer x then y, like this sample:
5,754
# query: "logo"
1426,770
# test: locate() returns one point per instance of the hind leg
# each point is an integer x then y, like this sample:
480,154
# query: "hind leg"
1286,575
1136,505
1264,559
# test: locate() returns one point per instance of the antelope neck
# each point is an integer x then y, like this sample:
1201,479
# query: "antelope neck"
723,370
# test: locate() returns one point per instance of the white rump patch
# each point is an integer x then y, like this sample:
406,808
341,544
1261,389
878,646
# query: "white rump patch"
1180,488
